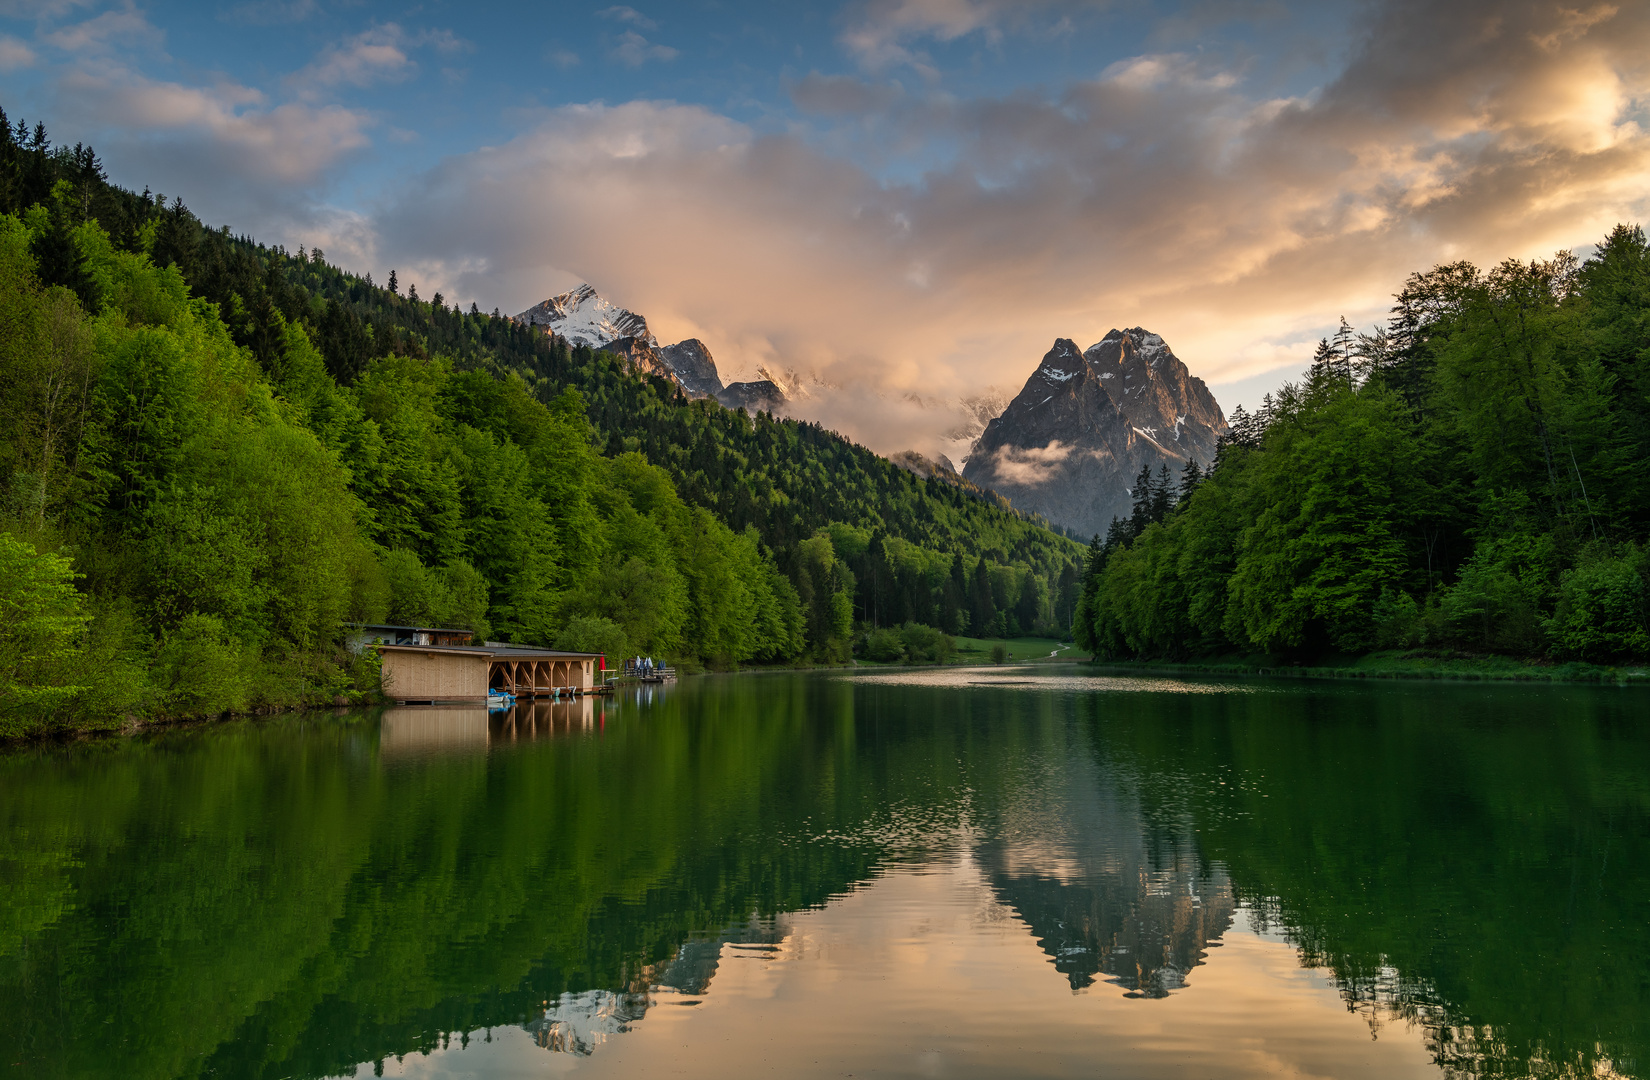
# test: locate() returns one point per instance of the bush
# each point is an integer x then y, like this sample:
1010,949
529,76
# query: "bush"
200,670
999,653
926,645
1496,603
885,645
1603,610
41,624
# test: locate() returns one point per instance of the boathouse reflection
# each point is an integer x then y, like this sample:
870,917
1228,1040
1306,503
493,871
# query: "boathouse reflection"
425,729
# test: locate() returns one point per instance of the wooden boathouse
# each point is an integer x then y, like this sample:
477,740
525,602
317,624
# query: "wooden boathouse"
429,674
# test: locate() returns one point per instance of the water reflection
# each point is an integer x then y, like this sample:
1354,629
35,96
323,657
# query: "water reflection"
1104,892
580,1023
1468,869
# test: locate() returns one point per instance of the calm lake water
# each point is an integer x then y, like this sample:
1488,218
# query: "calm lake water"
987,873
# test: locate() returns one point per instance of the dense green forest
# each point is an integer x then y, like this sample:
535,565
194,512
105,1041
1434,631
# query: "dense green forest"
1469,478
214,454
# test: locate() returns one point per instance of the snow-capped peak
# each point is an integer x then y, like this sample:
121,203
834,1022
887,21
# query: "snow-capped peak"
584,317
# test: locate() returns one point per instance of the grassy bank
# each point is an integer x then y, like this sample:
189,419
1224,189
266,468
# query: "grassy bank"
1020,650
1415,664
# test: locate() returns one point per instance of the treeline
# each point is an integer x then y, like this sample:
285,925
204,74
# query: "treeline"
1468,478
214,454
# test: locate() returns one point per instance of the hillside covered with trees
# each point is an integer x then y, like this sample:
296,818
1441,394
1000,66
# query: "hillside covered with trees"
215,454
1469,479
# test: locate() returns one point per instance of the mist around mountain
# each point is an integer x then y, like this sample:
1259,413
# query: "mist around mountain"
950,426
1072,443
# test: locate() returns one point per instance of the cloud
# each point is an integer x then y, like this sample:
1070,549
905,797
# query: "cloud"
880,30
841,95
235,157
376,55
630,15
1162,192
1030,465
122,28
14,54
634,50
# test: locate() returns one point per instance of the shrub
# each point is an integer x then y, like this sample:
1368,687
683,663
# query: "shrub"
1496,603
200,670
926,645
1603,610
885,645
41,624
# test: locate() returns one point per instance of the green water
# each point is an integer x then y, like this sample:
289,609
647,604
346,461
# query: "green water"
977,873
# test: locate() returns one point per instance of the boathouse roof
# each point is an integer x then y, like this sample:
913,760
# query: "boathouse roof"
496,652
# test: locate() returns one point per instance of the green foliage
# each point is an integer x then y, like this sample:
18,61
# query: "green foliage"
999,653
926,645
454,595
245,448
1603,610
41,622
594,634
1466,479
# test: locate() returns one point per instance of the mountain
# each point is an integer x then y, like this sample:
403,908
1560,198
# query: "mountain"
762,395
1075,438
584,317
692,363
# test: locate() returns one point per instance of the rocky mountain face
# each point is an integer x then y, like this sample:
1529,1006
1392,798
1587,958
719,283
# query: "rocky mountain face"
584,317
761,395
691,362
1074,439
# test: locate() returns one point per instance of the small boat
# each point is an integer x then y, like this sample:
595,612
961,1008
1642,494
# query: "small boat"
498,700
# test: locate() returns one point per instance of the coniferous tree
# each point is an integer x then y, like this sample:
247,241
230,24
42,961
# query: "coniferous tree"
982,607
1143,492
1190,477
1163,494
1027,609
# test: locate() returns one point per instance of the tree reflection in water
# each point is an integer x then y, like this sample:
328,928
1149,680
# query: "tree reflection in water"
295,896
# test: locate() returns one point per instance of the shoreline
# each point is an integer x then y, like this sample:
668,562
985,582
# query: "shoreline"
1391,668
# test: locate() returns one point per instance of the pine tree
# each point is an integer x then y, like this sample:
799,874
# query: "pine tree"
1142,492
1117,534
1094,565
1162,494
982,608
1190,477
393,286
1027,608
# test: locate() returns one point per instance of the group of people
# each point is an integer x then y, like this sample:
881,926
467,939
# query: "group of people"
639,665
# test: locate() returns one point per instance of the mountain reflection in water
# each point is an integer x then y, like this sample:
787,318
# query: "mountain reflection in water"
899,872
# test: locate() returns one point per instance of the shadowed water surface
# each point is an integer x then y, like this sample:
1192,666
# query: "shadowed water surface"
1016,872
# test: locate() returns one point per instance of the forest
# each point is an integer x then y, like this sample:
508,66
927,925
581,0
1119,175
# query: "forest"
1468,480
215,454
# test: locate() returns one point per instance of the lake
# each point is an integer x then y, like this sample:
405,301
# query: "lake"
1038,872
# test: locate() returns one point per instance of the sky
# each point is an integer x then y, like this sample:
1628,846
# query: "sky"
909,199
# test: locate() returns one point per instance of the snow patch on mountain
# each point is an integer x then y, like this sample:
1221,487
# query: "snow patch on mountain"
584,317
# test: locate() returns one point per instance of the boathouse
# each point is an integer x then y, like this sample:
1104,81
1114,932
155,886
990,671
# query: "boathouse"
454,673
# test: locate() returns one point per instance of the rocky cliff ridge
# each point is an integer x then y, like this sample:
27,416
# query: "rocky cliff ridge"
1076,436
